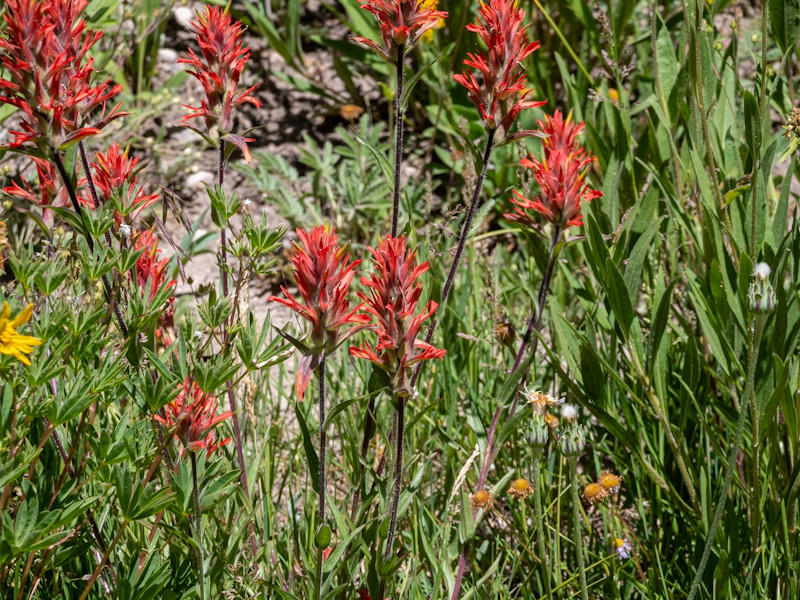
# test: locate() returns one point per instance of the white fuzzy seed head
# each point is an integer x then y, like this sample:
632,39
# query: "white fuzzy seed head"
762,271
569,412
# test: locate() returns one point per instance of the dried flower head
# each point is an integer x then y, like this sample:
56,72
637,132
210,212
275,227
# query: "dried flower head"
572,437
482,500
792,127
218,70
761,294
594,493
394,293
502,92
541,399
561,176
762,271
520,488
569,412
610,482
192,418
350,112
323,273
11,342
401,22
45,55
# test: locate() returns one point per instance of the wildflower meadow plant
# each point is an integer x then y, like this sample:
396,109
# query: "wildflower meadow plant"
535,263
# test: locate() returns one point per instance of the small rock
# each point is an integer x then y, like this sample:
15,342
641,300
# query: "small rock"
168,60
198,181
183,15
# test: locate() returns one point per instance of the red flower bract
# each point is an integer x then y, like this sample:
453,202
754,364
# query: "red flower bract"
150,270
45,53
394,294
561,176
401,22
323,275
219,70
113,170
192,418
50,193
503,93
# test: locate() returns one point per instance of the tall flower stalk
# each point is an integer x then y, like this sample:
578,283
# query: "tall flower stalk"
219,68
571,442
392,303
561,177
323,273
192,417
402,24
500,96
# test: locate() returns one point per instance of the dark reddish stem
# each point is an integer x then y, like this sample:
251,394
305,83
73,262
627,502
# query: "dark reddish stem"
77,206
90,182
369,421
462,242
237,431
398,485
398,149
534,323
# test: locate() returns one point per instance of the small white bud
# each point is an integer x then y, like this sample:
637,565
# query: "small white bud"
125,230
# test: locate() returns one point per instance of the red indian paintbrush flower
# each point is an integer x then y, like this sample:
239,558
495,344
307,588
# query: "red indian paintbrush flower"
49,194
116,171
401,22
150,270
45,54
323,275
219,69
395,290
503,93
192,418
561,176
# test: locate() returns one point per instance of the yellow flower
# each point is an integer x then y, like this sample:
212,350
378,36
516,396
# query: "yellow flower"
12,343
613,95
610,482
520,488
594,493
427,36
482,499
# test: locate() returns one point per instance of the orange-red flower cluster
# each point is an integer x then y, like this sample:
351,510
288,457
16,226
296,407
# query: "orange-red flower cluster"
395,291
323,275
502,94
115,170
153,271
192,418
219,70
401,22
49,193
45,55
561,176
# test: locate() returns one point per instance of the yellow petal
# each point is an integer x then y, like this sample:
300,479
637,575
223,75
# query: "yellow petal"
22,317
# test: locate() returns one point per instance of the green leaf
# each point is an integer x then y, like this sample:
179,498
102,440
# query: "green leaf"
619,298
785,19
412,81
752,125
311,453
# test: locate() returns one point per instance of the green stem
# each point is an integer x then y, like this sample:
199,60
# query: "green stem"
398,145
321,474
103,561
540,531
576,524
398,485
198,526
752,359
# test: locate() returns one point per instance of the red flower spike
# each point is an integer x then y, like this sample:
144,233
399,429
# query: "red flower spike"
153,271
323,275
394,294
219,69
401,22
502,94
45,53
50,193
561,177
192,418
112,170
